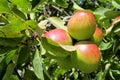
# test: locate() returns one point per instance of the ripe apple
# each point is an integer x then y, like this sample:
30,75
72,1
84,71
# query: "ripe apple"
97,36
87,56
81,25
58,36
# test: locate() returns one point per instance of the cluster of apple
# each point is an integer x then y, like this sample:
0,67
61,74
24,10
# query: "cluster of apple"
82,28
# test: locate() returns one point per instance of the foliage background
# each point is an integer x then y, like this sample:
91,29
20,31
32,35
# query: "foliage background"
22,23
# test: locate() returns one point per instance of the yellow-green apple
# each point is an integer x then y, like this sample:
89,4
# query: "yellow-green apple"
81,25
87,56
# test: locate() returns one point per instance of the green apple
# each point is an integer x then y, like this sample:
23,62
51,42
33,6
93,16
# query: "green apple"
87,56
81,25
97,36
58,36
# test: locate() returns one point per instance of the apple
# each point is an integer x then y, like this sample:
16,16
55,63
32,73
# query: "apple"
97,36
58,36
81,25
87,56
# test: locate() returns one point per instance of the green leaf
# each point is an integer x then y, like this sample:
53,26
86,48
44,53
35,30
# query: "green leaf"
19,13
114,14
59,51
76,6
37,65
9,42
23,5
9,71
29,75
4,8
105,46
13,29
9,56
31,23
14,77
41,27
116,3
23,55
4,50
57,22
61,3
101,12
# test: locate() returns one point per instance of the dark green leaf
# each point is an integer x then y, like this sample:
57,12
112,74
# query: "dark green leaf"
9,71
23,55
14,77
9,42
29,75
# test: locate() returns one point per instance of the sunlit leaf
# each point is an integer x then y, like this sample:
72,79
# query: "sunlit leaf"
57,22
116,3
23,5
4,8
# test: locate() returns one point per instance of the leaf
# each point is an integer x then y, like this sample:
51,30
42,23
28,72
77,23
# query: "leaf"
101,12
19,13
4,8
116,3
29,75
76,6
55,51
23,5
9,56
105,46
114,14
24,55
12,29
14,77
37,65
31,23
41,27
57,22
4,50
61,3
9,42
9,71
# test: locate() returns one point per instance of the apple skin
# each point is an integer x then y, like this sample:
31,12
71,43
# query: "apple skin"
97,36
87,56
58,36
81,25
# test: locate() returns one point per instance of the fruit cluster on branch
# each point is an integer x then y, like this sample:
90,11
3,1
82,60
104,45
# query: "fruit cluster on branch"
82,28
